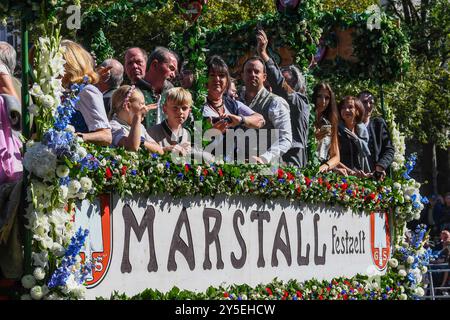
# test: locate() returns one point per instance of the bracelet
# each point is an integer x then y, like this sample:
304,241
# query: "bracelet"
242,120
327,165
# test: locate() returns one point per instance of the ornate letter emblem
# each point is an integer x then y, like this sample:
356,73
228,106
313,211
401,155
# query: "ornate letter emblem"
380,240
96,217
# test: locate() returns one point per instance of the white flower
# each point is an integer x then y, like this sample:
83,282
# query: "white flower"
28,281
160,167
402,273
74,187
36,90
63,192
86,183
70,128
40,161
58,249
410,260
71,284
403,297
62,171
25,297
48,101
393,263
424,269
81,152
36,293
79,292
40,259
39,273
419,292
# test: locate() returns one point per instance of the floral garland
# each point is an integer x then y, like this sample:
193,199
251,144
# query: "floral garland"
58,270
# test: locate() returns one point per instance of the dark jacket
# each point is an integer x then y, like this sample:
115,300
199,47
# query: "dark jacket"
348,150
380,145
299,112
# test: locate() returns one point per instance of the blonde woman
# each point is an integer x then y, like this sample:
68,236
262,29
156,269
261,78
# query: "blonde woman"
90,119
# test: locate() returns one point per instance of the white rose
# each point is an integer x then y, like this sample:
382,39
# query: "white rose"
86,183
403,297
160,167
28,281
62,171
393,263
402,273
74,186
424,269
36,90
419,292
39,273
397,186
36,293
410,260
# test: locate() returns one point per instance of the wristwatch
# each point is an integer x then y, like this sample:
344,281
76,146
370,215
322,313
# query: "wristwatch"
242,120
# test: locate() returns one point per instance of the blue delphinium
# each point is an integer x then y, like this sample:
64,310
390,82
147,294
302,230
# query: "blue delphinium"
410,164
63,272
89,162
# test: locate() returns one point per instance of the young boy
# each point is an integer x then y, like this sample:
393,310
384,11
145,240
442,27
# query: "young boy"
170,134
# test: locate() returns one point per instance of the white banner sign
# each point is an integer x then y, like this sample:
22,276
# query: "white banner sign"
193,243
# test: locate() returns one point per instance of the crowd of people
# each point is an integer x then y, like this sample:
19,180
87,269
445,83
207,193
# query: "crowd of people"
151,110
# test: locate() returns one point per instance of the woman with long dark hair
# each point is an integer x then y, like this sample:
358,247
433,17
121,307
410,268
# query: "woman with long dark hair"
326,126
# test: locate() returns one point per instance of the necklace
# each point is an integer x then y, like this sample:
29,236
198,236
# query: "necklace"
216,107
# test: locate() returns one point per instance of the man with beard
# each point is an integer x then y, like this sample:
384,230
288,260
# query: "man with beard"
273,108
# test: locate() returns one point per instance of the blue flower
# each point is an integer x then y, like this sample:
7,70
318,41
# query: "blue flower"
180,175
202,178
167,165
133,172
64,181
155,156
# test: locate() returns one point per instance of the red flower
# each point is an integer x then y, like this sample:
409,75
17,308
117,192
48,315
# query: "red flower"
186,168
286,294
345,296
347,283
299,190
252,178
299,294
205,172
320,297
344,186
372,196
290,176
269,291
108,173
320,181
328,289
307,181
225,295
328,186
220,172
124,170
280,173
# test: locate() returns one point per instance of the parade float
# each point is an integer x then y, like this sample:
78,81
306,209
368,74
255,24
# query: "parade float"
107,223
